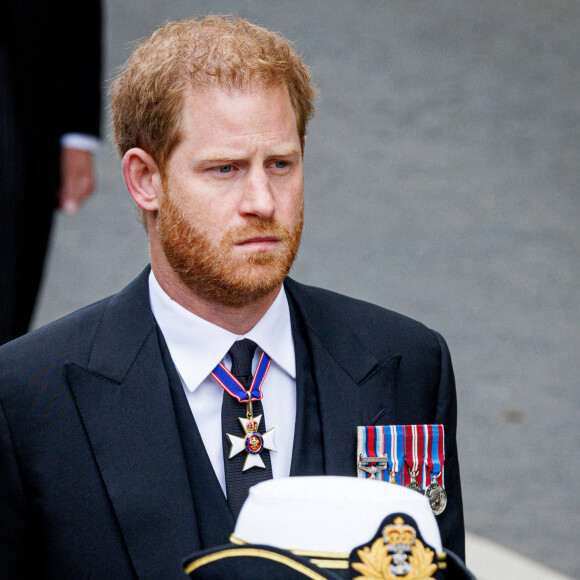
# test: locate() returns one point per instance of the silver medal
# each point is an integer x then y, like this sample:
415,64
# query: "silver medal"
414,484
437,497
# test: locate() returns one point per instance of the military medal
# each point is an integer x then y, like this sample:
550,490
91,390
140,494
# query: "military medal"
385,450
253,442
372,465
372,461
437,496
414,484
394,441
414,452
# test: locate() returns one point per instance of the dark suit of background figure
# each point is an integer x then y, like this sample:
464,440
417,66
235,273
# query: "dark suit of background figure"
103,469
50,64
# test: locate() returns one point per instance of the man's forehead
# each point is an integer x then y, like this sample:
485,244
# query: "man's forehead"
213,89
221,110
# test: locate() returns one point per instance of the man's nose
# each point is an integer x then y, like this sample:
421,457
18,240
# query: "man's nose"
258,198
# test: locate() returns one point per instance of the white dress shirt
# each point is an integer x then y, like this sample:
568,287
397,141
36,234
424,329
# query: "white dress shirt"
198,346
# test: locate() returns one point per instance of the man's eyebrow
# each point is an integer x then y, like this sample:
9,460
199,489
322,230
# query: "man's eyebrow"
218,155
284,152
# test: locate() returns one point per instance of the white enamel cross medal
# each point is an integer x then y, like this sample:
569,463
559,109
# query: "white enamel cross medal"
252,443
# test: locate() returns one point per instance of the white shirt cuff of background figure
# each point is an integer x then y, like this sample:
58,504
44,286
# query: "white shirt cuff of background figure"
80,141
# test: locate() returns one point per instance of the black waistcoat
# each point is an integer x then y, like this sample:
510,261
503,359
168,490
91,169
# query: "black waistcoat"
215,521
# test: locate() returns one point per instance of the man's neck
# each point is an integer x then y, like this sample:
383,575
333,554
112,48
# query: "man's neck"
236,319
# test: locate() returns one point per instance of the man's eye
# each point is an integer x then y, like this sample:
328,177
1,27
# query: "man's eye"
280,164
225,168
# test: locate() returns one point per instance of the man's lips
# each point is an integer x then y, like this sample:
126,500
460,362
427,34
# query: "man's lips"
259,243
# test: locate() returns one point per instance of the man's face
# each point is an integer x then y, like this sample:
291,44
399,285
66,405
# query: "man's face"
231,215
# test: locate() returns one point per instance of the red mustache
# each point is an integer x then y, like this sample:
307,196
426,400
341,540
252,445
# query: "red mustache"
260,229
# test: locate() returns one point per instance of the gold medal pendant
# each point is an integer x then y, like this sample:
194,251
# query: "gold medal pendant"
253,443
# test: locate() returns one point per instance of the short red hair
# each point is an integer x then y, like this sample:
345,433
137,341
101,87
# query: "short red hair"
148,94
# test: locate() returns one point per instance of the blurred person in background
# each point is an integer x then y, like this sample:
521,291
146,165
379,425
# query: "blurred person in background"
50,107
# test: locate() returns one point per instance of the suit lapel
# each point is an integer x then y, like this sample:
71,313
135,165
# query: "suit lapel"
354,388
125,404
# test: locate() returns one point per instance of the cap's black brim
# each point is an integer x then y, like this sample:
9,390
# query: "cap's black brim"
252,562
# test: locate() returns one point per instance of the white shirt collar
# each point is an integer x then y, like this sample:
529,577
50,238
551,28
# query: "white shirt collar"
197,346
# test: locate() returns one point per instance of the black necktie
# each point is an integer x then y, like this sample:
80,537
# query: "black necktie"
238,482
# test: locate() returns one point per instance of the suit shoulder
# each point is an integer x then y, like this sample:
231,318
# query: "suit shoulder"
68,338
358,314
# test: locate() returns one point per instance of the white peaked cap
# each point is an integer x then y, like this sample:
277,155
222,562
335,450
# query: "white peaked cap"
328,513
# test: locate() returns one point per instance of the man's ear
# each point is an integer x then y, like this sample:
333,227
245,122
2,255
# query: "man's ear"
143,179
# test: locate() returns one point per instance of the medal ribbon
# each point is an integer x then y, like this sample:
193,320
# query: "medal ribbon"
373,444
233,387
414,450
434,449
395,447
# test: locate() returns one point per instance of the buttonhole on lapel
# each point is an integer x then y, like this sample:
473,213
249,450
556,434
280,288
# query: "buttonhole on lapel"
378,416
371,373
393,362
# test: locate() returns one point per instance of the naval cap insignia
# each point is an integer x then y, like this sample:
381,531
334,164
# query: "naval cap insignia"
397,554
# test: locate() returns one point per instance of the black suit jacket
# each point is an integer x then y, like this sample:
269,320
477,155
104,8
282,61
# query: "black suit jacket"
94,480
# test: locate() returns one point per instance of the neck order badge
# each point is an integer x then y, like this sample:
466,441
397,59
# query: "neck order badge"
253,442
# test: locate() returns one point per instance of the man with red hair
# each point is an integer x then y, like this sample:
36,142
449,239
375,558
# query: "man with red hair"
132,429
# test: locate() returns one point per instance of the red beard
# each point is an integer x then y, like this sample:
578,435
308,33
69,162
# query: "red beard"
212,271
